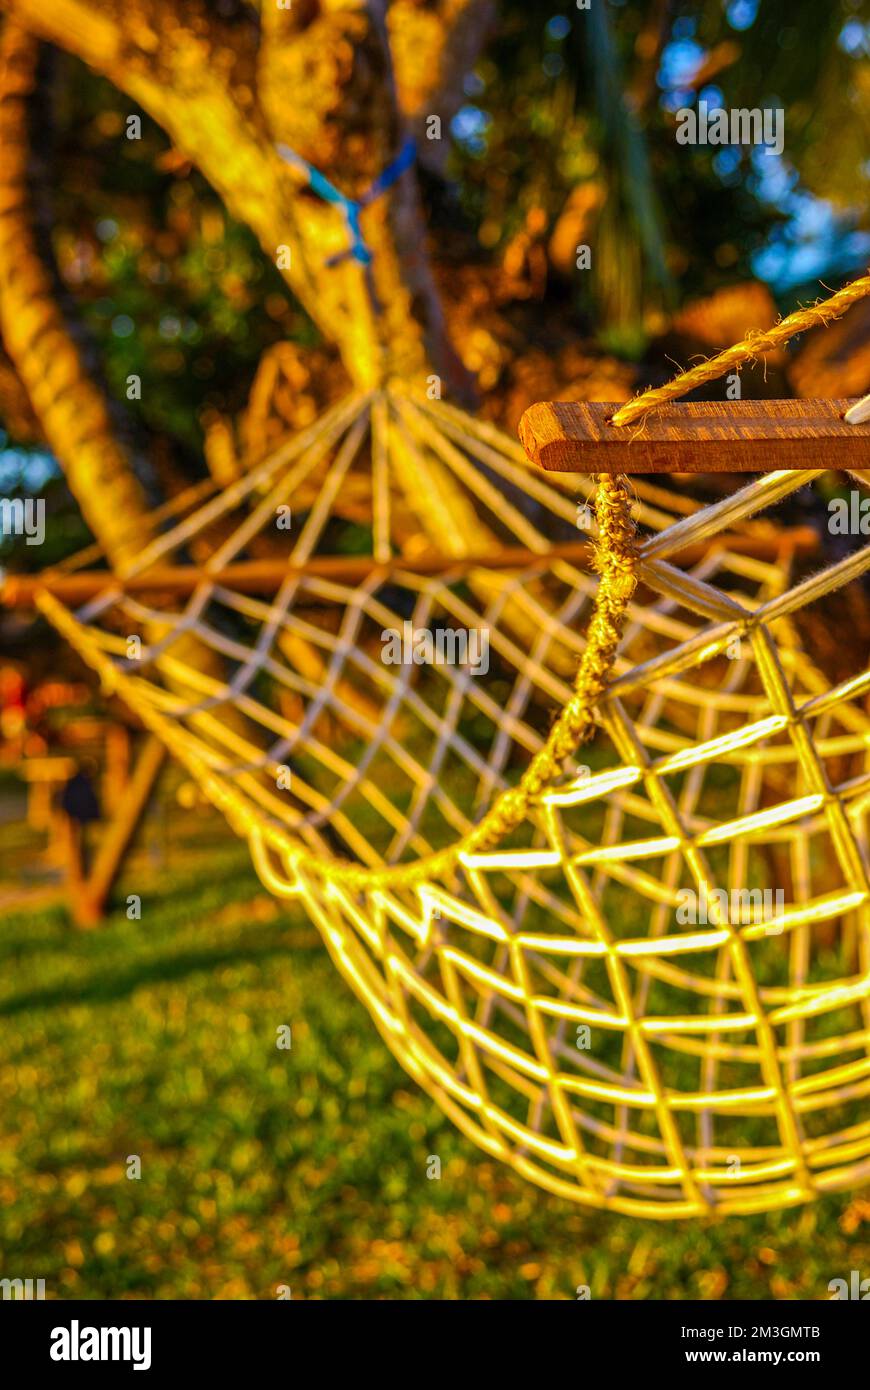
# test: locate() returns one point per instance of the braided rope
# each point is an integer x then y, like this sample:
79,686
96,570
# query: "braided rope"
756,342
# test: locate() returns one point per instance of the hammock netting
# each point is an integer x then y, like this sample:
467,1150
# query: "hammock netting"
540,985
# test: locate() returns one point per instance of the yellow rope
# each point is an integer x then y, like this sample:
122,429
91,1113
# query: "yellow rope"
615,559
746,1007
756,342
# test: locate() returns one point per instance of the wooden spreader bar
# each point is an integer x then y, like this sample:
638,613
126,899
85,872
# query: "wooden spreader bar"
266,576
695,437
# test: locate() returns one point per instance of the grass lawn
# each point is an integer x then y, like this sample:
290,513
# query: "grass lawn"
304,1168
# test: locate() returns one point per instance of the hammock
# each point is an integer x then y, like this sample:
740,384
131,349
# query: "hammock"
502,899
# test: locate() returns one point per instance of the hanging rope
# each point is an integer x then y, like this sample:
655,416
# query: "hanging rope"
755,344
351,208
615,558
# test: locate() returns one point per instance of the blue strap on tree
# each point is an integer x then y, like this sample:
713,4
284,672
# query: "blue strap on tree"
350,208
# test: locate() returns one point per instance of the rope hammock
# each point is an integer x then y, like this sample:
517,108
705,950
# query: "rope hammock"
506,912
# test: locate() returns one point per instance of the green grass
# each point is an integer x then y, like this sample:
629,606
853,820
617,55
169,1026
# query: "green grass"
305,1167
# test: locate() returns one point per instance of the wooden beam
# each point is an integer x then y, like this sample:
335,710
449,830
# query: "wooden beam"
89,895
266,576
695,437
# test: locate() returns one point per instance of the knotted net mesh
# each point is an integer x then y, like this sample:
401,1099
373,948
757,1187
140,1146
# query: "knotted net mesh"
651,991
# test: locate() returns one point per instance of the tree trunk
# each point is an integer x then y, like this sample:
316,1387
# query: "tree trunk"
227,95
71,410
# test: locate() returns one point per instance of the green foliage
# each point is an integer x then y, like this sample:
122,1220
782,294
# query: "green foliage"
565,97
172,289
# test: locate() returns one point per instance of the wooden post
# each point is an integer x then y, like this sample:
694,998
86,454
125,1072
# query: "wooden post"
44,776
90,895
75,872
116,773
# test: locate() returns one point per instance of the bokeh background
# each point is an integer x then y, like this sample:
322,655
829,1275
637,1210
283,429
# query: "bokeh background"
156,1036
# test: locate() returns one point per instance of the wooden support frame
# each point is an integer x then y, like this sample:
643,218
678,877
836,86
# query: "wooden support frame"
695,437
267,576
89,895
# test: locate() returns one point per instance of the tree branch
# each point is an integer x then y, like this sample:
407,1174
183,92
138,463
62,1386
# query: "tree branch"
197,78
224,99
16,412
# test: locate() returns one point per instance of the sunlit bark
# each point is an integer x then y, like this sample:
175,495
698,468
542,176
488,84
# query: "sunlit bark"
318,78
71,410
72,414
